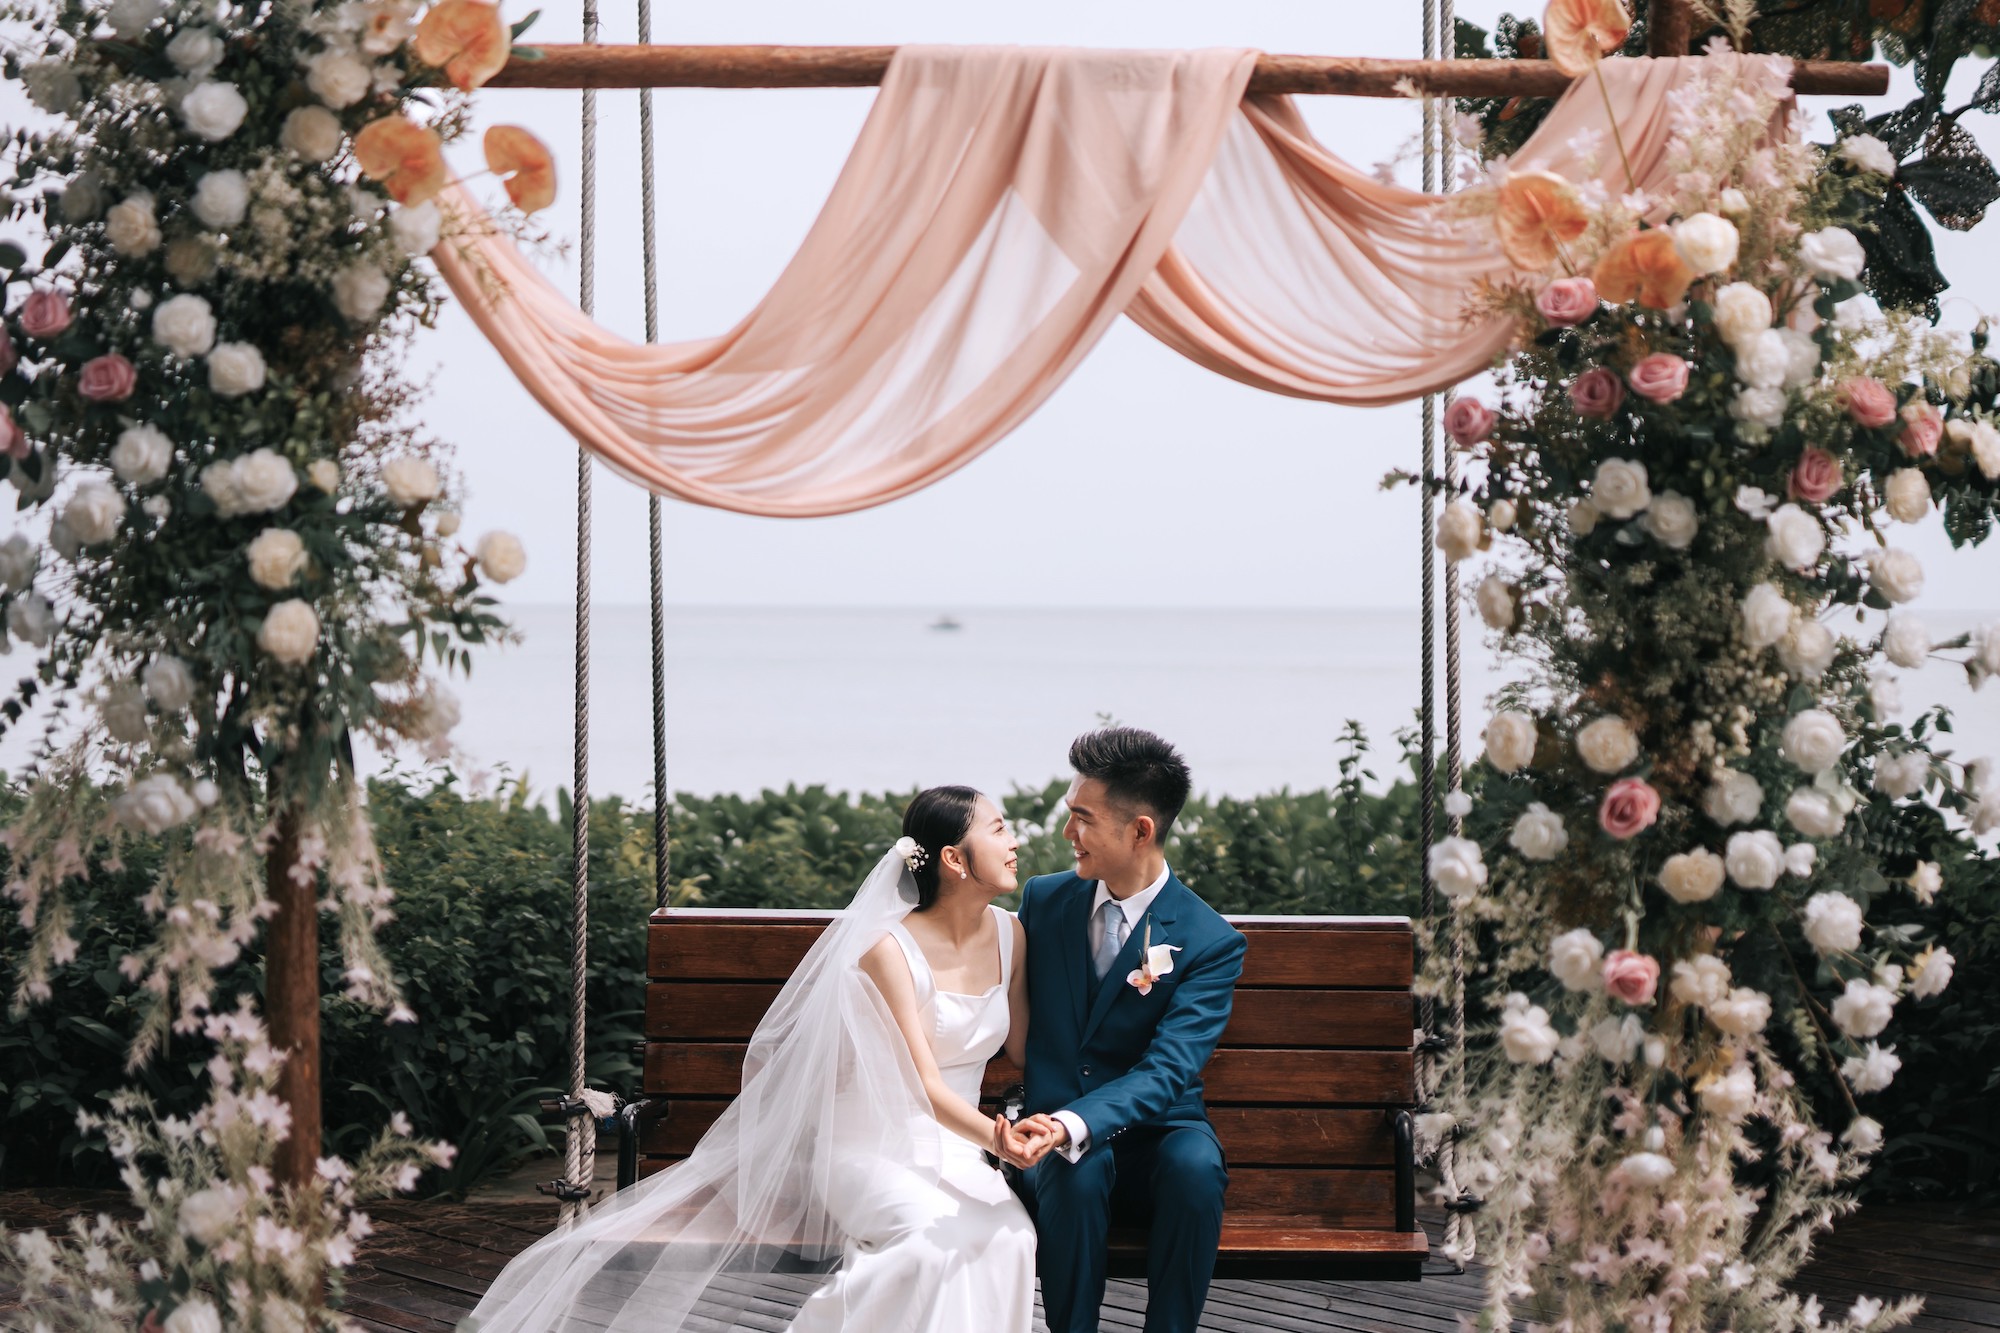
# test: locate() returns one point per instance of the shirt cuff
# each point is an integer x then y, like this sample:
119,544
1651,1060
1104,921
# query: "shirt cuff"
1079,1135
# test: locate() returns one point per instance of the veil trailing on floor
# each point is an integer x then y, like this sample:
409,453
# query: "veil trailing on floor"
828,1079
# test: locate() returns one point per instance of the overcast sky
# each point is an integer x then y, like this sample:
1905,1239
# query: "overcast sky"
1144,480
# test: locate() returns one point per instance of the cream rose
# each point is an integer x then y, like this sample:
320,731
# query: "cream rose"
500,556
1907,495
410,481
235,369
93,513
1794,538
1741,1013
1812,740
1741,311
142,455
1984,442
1619,489
1885,695
290,632
311,132
1672,520
1871,1071
1539,834
1762,410
1754,860
1607,745
264,481
1526,1035
1457,868
1707,243
1576,959
1500,515
1865,152
1495,598
168,683
154,805
1906,640
277,556
131,227
338,78
1692,876
324,473
1805,353
359,291
1832,923
1460,530
184,325
416,229
1896,574
1900,776
195,52
1767,616
213,111
1832,254
1510,741
1731,1096
1808,650
1814,813
1763,360
221,198
1702,980
1932,973
1863,1009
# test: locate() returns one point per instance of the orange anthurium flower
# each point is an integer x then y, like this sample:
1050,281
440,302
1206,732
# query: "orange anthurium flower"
465,39
1579,33
1644,267
523,163
1537,213
405,156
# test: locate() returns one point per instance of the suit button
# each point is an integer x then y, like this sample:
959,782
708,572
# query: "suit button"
1086,1071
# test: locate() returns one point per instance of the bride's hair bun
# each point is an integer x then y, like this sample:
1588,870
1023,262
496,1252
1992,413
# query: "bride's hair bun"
938,818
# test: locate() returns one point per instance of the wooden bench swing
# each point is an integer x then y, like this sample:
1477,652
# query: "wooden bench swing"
1325,1058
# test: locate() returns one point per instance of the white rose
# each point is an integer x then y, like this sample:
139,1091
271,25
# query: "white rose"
1985,446
1706,242
1864,1135
1812,740
31,619
1832,254
1857,314
221,198
1863,1009
501,557
290,632
1832,923
276,556
1754,859
1619,489
1906,640
448,521
416,229
1526,1034
1607,745
1731,1096
52,85
1907,495
1457,868
142,455
1741,1013
1539,834
1583,517
1733,798
1800,858
1459,530
1672,520
1495,598
235,369
218,482
168,683
1795,538
1767,617
131,227
1618,1040
213,111
184,325
1692,877
1896,574
324,473
1808,650
195,52
312,132
359,291
18,558
1702,980
338,78
1501,515
1763,360
1871,1071
93,513
1576,959
1804,367
1885,695
123,709
1933,973
1985,816
410,481
195,1316
1865,152
1510,741
1741,311
154,805
1985,661
1763,409
1902,775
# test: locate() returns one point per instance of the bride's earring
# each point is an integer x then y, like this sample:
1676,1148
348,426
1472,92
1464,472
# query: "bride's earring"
961,874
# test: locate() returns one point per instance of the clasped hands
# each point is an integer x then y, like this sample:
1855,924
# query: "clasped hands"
1027,1143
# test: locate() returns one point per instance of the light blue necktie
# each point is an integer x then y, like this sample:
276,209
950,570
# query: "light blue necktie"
1113,938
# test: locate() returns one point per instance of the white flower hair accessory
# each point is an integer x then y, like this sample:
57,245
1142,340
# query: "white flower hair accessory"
912,853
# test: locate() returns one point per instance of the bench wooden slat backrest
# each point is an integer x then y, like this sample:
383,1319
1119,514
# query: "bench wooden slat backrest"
1317,1054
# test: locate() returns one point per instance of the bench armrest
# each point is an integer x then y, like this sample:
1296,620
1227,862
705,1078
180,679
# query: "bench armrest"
632,1120
1405,1130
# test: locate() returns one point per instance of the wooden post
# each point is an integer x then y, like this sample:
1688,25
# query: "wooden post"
1669,27
291,999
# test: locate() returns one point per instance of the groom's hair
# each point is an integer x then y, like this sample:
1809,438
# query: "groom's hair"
1137,768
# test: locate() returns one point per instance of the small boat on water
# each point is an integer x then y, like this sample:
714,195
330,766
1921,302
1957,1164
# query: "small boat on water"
946,622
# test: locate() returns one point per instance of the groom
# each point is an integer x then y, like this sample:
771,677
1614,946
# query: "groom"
1117,1037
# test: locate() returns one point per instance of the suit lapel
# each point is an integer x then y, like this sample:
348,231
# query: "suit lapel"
1162,914
1075,927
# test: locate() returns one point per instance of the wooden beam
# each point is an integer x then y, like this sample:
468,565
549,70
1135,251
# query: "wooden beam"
1669,27
582,66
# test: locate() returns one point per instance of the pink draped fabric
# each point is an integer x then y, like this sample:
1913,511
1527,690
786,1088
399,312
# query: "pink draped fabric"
1000,208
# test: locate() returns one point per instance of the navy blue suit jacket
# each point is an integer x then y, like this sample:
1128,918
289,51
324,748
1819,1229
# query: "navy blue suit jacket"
1101,1050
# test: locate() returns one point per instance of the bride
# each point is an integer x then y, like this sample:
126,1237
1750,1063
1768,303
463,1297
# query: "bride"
856,1141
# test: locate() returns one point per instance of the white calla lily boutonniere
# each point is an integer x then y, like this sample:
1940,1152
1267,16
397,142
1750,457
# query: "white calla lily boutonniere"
1154,962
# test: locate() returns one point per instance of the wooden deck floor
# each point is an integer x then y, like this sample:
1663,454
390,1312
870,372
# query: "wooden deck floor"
428,1263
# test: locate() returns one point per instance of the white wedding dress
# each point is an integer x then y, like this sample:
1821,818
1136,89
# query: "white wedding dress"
951,1253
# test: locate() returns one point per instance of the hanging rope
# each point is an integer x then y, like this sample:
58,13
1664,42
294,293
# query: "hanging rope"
580,1137
662,877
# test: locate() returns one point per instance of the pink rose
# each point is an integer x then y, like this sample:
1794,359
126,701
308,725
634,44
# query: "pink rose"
1468,421
1629,809
1815,478
1631,977
44,314
1568,301
13,443
1596,393
9,358
1659,378
1867,400
1923,425
107,379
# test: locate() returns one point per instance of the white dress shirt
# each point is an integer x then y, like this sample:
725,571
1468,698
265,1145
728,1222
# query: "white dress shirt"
1135,911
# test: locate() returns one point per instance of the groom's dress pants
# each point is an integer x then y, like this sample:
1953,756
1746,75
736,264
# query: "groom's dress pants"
1171,1180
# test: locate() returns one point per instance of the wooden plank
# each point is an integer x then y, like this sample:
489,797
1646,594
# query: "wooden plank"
1269,1077
1251,1136
731,1010
1365,952
566,65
